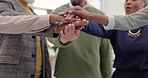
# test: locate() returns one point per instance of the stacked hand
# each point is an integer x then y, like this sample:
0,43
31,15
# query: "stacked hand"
71,31
70,25
75,12
74,15
69,34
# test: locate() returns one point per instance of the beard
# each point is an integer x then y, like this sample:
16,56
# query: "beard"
76,3
29,1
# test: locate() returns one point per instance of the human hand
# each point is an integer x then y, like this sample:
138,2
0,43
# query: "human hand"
74,12
79,25
69,34
59,18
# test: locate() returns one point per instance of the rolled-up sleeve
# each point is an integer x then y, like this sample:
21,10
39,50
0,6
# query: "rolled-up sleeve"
111,22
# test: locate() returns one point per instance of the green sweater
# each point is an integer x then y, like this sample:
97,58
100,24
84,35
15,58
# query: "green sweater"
87,57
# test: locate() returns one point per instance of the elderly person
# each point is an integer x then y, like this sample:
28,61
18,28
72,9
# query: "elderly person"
130,47
131,21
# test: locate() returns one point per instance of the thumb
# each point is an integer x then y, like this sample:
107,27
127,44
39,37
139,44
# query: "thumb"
61,33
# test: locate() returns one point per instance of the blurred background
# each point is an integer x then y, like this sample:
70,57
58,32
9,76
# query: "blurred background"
42,7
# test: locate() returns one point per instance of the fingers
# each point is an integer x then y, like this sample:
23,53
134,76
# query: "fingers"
72,27
61,33
82,22
66,30
74,15
77,33
69,34
70,12
68,16
69,28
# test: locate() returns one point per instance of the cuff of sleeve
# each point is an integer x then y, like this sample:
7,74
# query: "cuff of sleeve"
45,20
111,23
64,45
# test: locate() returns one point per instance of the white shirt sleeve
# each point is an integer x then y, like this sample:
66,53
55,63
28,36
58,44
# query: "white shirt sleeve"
111,23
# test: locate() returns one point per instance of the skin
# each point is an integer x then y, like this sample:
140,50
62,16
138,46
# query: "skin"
70,29
69,34
79,25
132,6
72,12
101,19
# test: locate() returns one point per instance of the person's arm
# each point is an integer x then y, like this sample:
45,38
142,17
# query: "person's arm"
66,36
120,22
132,21
14,23
78,11
23,24
105,58
96,29
105,50
69,34
56,40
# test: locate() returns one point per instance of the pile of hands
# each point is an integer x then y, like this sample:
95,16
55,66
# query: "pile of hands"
70,25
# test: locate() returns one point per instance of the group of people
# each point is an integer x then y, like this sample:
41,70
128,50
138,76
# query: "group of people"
24,54
86,57
130,46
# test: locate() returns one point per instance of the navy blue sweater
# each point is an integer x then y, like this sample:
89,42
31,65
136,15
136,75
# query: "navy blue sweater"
131,53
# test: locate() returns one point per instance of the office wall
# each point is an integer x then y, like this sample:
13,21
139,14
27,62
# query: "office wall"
111,7
40,6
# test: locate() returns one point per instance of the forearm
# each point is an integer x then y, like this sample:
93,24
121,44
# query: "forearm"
132,21
23,24
54,18
14,22
98,18
96,29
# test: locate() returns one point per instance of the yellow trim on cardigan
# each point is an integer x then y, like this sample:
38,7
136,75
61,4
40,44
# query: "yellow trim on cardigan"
39,51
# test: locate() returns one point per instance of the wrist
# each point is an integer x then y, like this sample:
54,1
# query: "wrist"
54,18
90,15
63,41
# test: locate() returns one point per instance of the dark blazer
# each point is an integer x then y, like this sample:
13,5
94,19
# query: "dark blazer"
18,52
